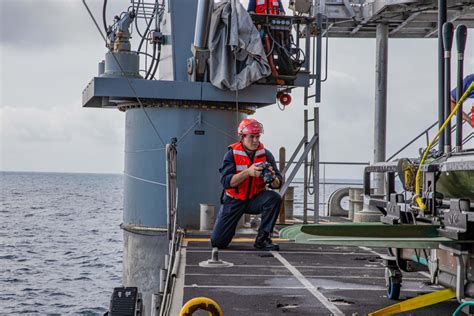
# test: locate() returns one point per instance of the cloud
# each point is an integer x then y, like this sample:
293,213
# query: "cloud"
61,124
50,50
51,23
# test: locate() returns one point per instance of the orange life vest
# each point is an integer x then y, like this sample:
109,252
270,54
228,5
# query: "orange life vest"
273,7
252,185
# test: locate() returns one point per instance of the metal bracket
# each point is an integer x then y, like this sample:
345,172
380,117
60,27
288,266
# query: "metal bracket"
460,269
456,220
197,65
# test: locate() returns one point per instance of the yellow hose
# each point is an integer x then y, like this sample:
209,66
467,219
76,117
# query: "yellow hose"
419,201
203,303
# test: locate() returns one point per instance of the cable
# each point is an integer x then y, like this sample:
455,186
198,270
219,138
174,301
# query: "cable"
143,150
145,180
220,131
295,59
417,196
144,53
136,20
152,61
157,62
126,78
95,22
148,23
104,19
187,132
281,108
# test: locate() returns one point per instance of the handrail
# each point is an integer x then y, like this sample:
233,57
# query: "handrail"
453,129
425,132
468,138
298,165
290,162
350,163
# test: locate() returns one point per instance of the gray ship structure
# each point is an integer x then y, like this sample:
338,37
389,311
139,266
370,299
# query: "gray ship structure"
192,72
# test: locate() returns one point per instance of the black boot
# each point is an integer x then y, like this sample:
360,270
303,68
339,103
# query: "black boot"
263,242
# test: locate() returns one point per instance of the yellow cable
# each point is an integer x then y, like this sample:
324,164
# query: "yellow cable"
419,201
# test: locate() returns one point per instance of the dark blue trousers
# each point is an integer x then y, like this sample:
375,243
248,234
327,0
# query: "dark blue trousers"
266,203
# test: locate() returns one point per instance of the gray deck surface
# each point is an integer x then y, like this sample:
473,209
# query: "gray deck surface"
260,284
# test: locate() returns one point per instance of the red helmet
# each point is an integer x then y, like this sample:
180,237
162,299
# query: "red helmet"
250,126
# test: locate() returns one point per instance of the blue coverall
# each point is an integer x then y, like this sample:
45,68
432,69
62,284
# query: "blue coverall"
466,82
266,203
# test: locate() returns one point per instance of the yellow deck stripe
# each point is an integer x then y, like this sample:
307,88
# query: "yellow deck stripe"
416,302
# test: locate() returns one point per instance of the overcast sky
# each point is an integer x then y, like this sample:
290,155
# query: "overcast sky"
50,50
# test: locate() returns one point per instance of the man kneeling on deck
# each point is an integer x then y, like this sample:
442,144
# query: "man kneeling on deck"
245,188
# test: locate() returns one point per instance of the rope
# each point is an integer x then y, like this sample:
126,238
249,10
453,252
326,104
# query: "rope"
417,196
187,132
144,180
144,150
220,131
95,22
179,139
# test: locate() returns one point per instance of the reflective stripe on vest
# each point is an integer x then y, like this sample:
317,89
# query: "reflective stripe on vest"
259,152
240,153
241,167
252,185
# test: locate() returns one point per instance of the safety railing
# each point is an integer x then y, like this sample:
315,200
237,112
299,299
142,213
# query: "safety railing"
313,147
175,234
325,182
425,133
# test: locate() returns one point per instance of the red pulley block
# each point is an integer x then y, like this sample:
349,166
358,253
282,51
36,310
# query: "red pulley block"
284,98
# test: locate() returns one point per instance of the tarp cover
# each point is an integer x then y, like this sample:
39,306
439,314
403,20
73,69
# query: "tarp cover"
237,58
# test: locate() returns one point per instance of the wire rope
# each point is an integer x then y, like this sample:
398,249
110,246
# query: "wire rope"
127,79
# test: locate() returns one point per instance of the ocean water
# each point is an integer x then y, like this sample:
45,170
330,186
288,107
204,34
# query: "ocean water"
60,244
60,241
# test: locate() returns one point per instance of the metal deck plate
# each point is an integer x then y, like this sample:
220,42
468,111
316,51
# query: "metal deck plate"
350,278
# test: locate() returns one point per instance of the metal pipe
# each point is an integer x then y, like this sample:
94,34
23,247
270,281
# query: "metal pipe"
380,121
316,166
460,277
298,165
442,12
317,86
448,29
203,22
347,163
293,156
282,156
326,211
305,177
461,35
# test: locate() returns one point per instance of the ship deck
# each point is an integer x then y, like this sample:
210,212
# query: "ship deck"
298,279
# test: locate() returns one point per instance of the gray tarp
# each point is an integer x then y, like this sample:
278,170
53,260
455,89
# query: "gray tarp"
237,56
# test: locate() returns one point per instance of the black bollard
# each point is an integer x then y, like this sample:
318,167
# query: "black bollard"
448,30
461,36
442,12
